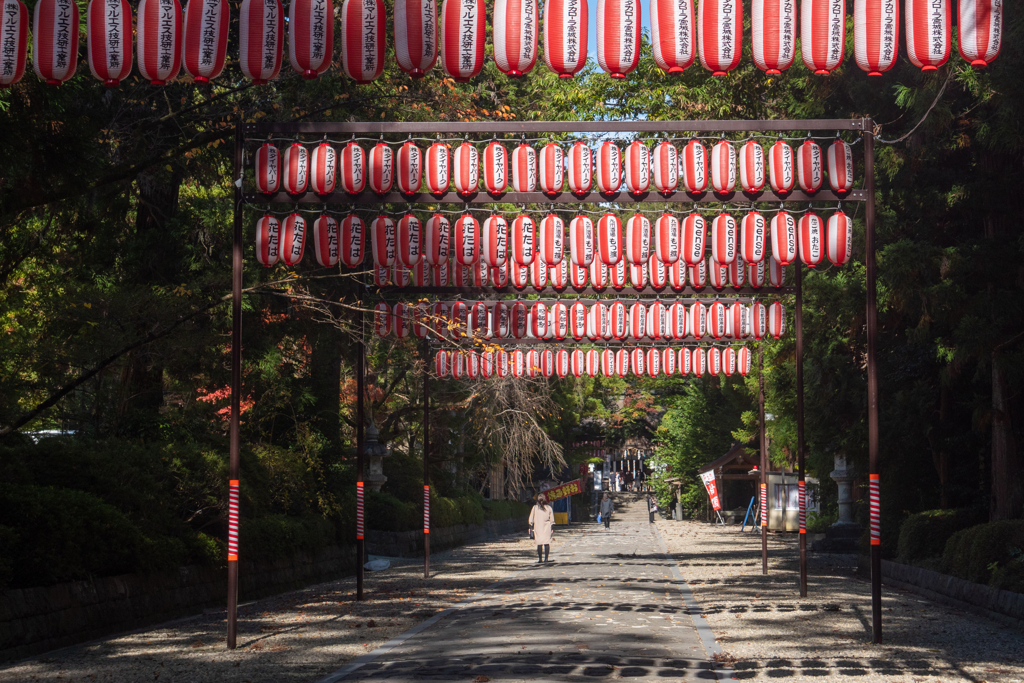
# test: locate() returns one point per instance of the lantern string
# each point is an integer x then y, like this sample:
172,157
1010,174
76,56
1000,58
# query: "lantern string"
536,214
590,140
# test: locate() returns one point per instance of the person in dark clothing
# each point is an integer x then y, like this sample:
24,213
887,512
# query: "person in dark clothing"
607,507
652,507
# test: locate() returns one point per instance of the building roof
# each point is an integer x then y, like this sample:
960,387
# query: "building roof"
736,461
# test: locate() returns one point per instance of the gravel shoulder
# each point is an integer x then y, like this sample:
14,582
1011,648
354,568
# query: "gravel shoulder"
766,631
298,636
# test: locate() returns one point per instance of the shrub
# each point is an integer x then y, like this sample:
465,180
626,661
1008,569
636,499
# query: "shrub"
924,535
444,512
275,536
470,510
385,512
979,553
497,509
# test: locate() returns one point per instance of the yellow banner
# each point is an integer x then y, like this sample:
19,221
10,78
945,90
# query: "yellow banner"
564,490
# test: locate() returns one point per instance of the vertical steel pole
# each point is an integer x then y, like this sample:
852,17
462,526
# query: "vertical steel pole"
360,528
802,503
872,334
236,390
426,459
764,459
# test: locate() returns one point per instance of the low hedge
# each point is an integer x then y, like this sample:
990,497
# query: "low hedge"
924,535
505,509
385,512
279,536
991,554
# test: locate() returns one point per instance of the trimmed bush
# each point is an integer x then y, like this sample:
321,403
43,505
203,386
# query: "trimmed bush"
987,553
385,512
470,511
924,535
277,536
497,509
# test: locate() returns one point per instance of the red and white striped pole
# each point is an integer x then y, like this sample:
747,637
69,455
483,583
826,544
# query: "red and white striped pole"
876,510
871,324
764,459
233,520
426,459
360,456
234,443
800,446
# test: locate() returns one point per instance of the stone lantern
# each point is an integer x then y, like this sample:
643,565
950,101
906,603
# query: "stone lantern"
843,476
375,453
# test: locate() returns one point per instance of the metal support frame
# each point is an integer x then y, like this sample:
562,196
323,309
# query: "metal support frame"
560,130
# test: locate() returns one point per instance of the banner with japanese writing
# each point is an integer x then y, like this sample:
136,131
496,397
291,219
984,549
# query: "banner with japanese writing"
563,490
709,483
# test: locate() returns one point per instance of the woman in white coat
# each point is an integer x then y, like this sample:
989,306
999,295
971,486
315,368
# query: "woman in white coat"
542,520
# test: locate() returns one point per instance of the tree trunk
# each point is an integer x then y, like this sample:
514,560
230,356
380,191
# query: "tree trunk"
1007,472
938,441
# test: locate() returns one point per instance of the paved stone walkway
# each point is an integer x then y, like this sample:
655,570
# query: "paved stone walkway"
607,606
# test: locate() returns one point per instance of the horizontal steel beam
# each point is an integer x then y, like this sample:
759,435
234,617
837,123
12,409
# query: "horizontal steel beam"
547,301
515,127
631,343
372,199
479,292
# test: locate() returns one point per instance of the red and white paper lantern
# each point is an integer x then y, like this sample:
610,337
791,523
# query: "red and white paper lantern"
638,362
495,168
268,241
677,275
743,361
467,240
558,320
714,361
363,29
810,237
260,40
565,36
607,362
268,164
618,36
657,271
621,363
758,316
577,275
383,321
810,170
979,30
718,274
618,320
723,167
381,168
325,241
695,167
577,363
699,363
465,169
499,327
783,229
822,34
14,40
206,38
773,34
665,160
421,316
551,239
776,320
609,167
617,274
694,234
295,168
494,241
578,320
581,241
675,320
637,320
539,274
753,230
524,240
518,320
723,239
409,168
352,236
519,275
551,169
638,168
720,34
515,32
323,167
928,25
638,239
876,35
502,364
756,273
310,36
839,238
782,171
442,363
415,23
738,272
463,25
697,320
517,361
55,40
559,275
840,167
667,235
383,241
562,363
410,240
751,164
109,31
598,326
673,35
729,361
698,275
352,168
401,275
592,362
739,326
668,362
293,239
598,274
438,165
402,314
524,169
609,239
657,320
487,364
440,275
538,320
685,362
437,239
579,163
776,273
638,275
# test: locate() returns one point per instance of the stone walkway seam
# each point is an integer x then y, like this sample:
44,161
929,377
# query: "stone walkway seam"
359,662
707,636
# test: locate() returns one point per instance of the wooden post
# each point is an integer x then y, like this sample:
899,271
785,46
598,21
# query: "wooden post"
801,486
426,459
237,266
872,340
764,459
360,456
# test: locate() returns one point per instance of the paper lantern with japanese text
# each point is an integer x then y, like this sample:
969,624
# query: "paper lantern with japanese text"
928,27
442,363
323,167
637,320
607,362
268,241
698,320
268,166
598,326
409,168
460,364
782,171
421,274
756,274
665,161
592,362
410,240
685,362
810,172
598,274
401,274
609,239
657,271
723,239
840,166
421,315
698,363
657,320
618,36
695,167
618,320
822,34
783,230
565,36
440,314
502,364
578,320
500,320
551,239
739,325
479,320
666,238
415,30
494,241
677,275
561,362
353,168
440,275
519,275
14,39
617,274
752,237
776,319
673,35
675,321
54,40
558,320
758,317
751,165
465,169
621,363
524,240
720,34
638,239
876,35
363,29
718,274
524,169
352,235
551,169
638,275
463,24
401,313
776,273
438,165
538,320
518,320
487,364
668,361
467,240
310,36
979,26
206,38
638,167
295,168
577,275
516,26
714,361
325,241
437,237
382,275
608,167
738,272
638,362
260,40
698,274
383,322
459,319
694,229
810,237
383,241
109,44
577,363
723,166
773,34
380,170
581,241
559,275
729,361
839,238
580,163
495,168
517,362
743,361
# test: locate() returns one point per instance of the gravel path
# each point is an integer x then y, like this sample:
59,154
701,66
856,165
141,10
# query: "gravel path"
769,632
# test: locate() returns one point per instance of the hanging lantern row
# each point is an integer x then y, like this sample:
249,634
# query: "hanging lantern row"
527,251
196,39
613,320
561,363
608,169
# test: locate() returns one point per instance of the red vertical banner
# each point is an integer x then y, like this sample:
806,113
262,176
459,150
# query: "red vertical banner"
876,527
232,520
426,509
764,505
711,485
803,507
359,510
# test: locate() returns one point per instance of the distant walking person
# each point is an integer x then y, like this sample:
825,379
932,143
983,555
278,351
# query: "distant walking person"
542,519
652,507
607,508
